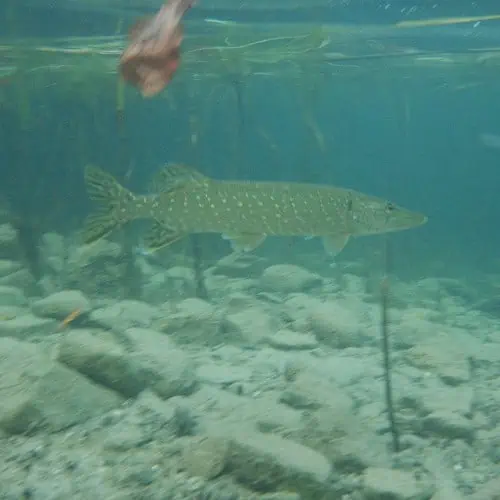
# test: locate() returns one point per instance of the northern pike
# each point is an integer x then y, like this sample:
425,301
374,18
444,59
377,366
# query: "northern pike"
184,201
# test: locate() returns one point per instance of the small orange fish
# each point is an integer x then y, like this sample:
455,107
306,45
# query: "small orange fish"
69,318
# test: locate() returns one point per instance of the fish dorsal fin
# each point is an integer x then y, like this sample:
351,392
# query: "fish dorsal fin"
335,243
244,242
175,176
160,236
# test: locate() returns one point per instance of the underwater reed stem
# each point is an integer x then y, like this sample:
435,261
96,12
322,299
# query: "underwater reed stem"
196,250
384,329
199,279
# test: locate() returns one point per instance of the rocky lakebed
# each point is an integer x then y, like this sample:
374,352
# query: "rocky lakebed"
272,389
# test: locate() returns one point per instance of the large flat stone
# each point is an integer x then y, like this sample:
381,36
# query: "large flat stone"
38,392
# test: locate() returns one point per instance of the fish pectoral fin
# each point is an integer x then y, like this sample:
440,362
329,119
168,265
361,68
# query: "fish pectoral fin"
160,236
174,176
98,226
335,243
244,242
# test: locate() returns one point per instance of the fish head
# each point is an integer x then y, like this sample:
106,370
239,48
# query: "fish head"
375,216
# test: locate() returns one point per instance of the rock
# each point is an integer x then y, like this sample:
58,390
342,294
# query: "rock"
124,437
413,326
288,278
11,296
9,247
162,412
10,312
102,360
391,484
145,420
27,326
22,279
239,301
489,305
309,392
246,265
280,495
194,321
297,306
338,323
205,457
348,368
153,289
97,269
356,451
152,361
266,462
432,397
443,357
8,267
125,314
39,392
220,286
488,491
353,284
222,375
164,367
454,374
332,428
288,340
449,425
56,475
447,493
61,304
53,244
250,326
223,409
180,280
457,288
456,400
162,283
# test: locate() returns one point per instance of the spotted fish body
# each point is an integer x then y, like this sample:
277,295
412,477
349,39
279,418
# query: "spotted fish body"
244,212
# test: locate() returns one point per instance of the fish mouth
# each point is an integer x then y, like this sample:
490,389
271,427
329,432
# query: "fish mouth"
422,219
413,219
406,220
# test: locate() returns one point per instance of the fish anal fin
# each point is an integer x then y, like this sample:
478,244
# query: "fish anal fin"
335,243
244,242
160,236
175,176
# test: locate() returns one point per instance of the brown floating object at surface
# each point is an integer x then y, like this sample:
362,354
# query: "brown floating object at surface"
152,57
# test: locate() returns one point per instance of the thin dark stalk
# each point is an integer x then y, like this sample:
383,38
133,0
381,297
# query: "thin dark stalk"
196,250
199,278
28,237
384,328
240,111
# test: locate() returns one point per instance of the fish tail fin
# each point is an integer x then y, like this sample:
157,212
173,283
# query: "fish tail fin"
111,199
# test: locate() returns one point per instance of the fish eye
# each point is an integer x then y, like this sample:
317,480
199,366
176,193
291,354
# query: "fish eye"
390,207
